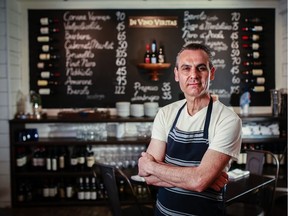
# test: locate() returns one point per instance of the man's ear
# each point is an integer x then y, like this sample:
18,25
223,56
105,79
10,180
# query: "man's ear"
212,73
176,77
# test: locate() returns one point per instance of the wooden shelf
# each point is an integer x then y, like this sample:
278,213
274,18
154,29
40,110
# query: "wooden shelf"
154,69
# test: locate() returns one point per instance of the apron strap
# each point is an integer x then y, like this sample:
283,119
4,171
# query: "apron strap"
208,117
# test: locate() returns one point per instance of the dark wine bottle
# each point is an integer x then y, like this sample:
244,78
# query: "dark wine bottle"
154,52
147,56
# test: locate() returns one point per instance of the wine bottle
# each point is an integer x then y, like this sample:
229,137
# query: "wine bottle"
258,88
253,46
255,28
46,82
47,30
93,193
90,159
87,193
161,56
48,74
61,158
253,37
47,21
42,65
252,63
258,80
54,160
47,48
48,56
147,56
45,91
48,161
253,72
81,159
73,160
44,39
154,54
252,20
80,192
254,55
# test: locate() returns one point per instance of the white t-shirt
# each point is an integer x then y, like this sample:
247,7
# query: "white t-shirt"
225,126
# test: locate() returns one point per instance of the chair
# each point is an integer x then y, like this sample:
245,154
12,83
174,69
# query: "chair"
255,163
108,174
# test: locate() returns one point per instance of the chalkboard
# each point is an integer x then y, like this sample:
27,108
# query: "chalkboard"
97,52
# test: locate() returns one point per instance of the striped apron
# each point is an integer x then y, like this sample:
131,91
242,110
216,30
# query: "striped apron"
185,148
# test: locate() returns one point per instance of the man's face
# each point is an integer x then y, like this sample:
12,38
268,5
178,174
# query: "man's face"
193,72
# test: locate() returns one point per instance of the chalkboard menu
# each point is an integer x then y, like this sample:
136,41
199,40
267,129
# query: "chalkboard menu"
89,58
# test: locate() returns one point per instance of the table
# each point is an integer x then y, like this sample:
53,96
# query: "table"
242,187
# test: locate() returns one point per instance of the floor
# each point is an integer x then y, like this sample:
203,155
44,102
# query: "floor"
280,209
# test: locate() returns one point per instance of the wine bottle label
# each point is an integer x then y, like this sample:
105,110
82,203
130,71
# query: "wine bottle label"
48,163
73,161
257,28
54,164
42,82
43,39
255,46
44,56
44,30
259,88
45,74
255,37
260,80
87,195
61,162
256,55
80,195
161,58
69,191
44,21
44,91
93,195
46,192
45,48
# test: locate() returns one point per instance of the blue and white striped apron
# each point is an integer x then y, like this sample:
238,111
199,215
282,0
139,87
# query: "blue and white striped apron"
185,148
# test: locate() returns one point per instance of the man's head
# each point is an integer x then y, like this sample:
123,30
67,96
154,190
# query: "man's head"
194,70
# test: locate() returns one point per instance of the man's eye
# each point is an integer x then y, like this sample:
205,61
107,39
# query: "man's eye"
202,68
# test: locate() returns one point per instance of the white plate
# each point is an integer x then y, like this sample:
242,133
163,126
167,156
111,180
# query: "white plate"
137,178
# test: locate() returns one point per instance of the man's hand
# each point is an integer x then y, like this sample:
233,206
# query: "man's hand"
144,163
220,182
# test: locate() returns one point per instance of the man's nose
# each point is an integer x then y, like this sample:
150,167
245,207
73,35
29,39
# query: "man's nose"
193,73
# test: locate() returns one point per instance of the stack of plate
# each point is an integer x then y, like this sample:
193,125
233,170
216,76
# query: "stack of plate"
123,108
137,110
151,109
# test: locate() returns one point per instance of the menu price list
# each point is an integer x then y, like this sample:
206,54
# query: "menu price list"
89,58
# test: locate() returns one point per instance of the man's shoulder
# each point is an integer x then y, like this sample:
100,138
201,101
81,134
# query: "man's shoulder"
225,110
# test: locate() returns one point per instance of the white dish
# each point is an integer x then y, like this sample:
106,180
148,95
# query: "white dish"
137,178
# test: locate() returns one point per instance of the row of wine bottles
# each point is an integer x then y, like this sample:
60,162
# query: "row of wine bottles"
48,56
54,159
154,55
83,188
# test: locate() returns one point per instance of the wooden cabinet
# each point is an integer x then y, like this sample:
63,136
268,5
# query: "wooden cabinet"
33,183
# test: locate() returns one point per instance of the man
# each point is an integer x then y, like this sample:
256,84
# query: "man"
193,142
